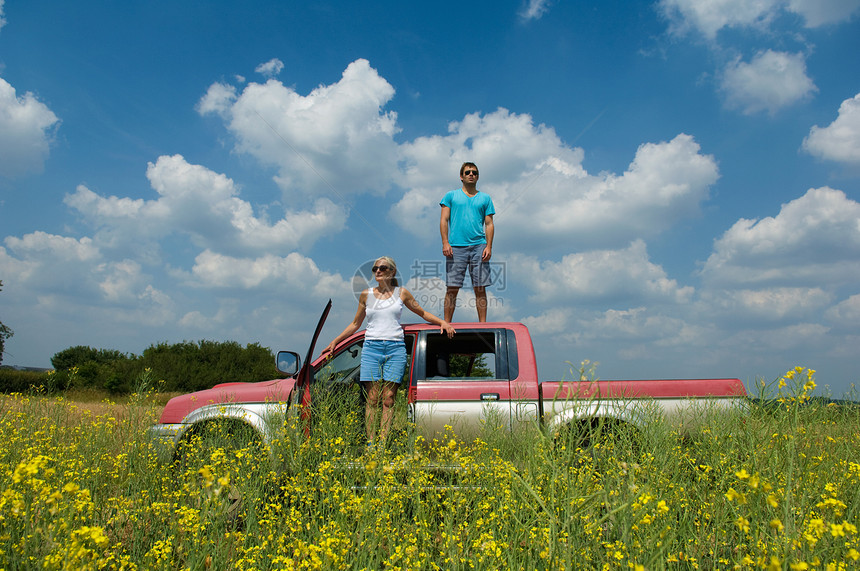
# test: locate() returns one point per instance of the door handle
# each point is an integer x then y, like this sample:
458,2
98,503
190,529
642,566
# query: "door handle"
489,396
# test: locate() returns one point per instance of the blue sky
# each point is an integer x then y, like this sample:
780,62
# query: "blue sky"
677,182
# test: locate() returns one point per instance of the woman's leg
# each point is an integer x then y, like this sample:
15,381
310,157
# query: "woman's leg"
379,394
390,363
388,393
395,366
374,393
372,360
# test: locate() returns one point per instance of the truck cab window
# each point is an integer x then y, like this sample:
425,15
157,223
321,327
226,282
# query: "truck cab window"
469,355
344,367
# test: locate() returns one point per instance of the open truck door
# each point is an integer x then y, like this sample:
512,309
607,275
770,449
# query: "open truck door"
302,390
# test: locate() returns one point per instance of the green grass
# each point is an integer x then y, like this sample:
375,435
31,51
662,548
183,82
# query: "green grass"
771,487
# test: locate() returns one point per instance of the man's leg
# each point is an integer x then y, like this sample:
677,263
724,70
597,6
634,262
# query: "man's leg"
480,273
481,303
450,302
455,271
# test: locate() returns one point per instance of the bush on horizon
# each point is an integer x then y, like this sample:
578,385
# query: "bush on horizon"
180,367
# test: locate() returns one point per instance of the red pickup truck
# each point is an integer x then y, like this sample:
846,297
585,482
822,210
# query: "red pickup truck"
486,369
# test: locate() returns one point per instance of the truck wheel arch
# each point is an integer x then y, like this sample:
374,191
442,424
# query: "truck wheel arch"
230,419
244,432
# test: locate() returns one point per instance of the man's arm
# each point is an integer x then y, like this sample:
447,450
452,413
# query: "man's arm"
489,230
443,229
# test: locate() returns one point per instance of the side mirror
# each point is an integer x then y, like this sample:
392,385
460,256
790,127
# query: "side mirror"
288,362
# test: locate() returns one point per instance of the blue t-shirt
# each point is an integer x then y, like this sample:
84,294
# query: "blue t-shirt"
466,224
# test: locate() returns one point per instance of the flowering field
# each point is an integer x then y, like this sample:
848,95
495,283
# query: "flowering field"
775,487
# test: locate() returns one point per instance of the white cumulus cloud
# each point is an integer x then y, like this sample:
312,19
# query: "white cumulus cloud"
204,205
218,99
766,304
534,9
839,141
62,274
770,82
608,276
337,139
846,313
271,68
293,272
814,239
822,12
541,190
710,16
27,129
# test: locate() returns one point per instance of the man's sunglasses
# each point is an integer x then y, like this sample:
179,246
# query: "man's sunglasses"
467,173
375,269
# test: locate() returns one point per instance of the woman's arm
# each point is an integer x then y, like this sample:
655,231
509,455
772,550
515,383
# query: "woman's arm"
353,326
410,302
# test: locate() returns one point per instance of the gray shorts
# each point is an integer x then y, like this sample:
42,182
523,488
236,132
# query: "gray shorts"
467,257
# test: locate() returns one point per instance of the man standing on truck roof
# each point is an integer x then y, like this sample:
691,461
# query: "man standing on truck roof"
467,240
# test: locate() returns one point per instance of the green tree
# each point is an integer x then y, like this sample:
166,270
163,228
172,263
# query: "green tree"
5,333
83,366
470,365
191,366
80,355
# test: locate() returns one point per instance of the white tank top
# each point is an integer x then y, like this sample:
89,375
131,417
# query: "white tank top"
383,317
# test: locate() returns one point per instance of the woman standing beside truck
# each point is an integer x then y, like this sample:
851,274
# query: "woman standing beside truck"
383,357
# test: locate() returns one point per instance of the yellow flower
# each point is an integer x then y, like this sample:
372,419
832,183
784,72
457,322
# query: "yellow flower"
817,525
733,495
772,501
837,530
743,524
743,474
777,525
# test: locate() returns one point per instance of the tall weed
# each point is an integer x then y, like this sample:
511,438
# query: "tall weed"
772,486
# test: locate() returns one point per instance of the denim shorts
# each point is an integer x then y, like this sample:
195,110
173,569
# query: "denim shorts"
383,360
467,256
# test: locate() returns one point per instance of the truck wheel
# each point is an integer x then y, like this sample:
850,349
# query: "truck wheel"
221,464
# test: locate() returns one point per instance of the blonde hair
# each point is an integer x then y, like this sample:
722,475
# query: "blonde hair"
389,261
